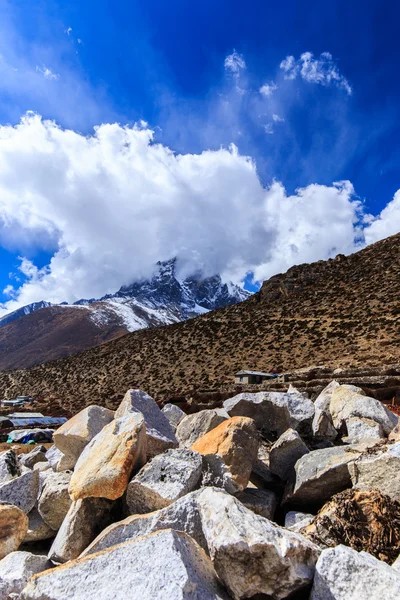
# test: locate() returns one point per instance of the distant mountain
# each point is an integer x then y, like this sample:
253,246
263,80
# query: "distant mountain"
42,331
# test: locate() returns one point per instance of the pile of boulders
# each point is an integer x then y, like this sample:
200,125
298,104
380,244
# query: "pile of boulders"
272,496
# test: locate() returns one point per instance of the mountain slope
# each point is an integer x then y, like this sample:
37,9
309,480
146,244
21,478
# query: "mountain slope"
342,312
41,332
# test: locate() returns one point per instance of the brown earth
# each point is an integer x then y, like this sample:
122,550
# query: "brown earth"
344,312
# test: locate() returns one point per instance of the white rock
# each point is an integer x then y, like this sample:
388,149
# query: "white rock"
166,478
160,435
296,521
166,565
379,471
72,437
345,404
174,414
252,555
37,455
13,528
344,574
21,491
274,412
58,461
84,521
42,466
15,570
396,564
322,425
261,502
54,500
359,429
38,530
193,427
9,466
285,453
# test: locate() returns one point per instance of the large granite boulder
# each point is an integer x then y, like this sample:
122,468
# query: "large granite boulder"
54,500
105,466
16,569
165,565
261,502
58,461
344,574
322,425
360,429
9,466
274,412
163,480
379,470
21,491
74,435
38,530
230,449
159,433
285,453
174,414
345,404
33,457
13,528
193,427
84,521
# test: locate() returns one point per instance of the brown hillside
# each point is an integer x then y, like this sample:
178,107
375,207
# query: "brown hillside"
342,312
50,333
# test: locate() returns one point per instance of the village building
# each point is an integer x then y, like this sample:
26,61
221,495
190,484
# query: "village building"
253,377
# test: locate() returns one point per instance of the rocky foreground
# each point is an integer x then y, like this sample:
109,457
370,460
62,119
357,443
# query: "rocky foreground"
272,496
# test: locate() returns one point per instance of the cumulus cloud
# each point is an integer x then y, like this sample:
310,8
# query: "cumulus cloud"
268,88
114,203
47,73
320,70
385,224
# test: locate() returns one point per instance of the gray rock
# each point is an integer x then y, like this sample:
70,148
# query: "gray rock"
193,427
360,429
252,555
274,412
166,478
345,404
322,425
344,574
84,521
165,565
54,500
15,570
174,414
285,453
21,491
36,455
379,471
72,437
9,466
182,515
58,461
293,517
42,466
322,473
38,530
261,502
160,435
13,528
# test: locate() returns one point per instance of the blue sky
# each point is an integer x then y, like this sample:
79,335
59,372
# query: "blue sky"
194,72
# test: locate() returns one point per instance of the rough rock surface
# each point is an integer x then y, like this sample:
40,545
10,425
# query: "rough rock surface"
9,466
54,500
105,466
274,412
13,528
322,426
394,435
235,441
344,574
72,437
182,515
285,453
251,554
322,473
261,502
36,455
164,565
193,427
84,521
345,404
396,564
58,461
160,435
15,570
38,530
21,491
163,480
379,470
359,429
294,519
174,414
361,519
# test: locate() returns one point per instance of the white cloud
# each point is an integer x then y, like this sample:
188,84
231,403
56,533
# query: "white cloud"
114,203
47,73
278,119
268,128
68,31
320,70
385,224
234,63
268,88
